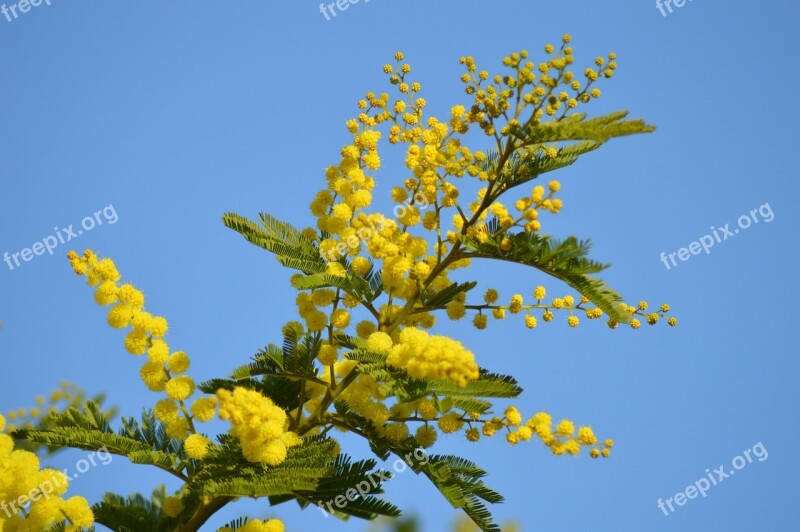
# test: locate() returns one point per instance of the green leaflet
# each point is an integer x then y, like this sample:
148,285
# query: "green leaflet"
133,513
142,442
291,248
578,127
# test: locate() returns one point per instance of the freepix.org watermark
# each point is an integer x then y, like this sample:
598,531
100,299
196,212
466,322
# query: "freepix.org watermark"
329,10
365,487
718,235
23,6
712,479
62,236
662,4
47,488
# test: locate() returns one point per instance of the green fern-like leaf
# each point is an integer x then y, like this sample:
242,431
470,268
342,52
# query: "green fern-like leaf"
290,247
487,385
578,127
133,513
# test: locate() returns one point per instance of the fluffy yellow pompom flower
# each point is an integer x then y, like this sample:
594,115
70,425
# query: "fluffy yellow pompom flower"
129,295
204,408
141,320
450,423
491,296
316,320
106,293
379,342
340,318
360,265
327,355
196,446
397,431
158,326
565,428
586,436
178,362
433,357
180,388
158,352
154,376
426,435
166,411
516,304
427,409
78,512
323,297
513,416
136,342
365,328
456,310
173,506
120,316
104,269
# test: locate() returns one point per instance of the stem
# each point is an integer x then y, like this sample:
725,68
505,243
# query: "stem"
330,397
207,508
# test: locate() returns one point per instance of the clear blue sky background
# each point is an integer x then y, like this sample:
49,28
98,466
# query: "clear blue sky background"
176,112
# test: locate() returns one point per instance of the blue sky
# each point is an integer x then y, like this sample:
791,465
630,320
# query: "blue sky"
175,113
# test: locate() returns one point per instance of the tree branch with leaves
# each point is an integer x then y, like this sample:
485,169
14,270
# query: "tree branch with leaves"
362,356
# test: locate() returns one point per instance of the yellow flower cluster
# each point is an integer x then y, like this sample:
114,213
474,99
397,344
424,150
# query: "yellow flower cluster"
258,423
527,219
32,497
255,525
424,356
415,250
434,153
566,304
537,85
641,310
309,305
363,395
345,230
561,439
164,368
424,411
